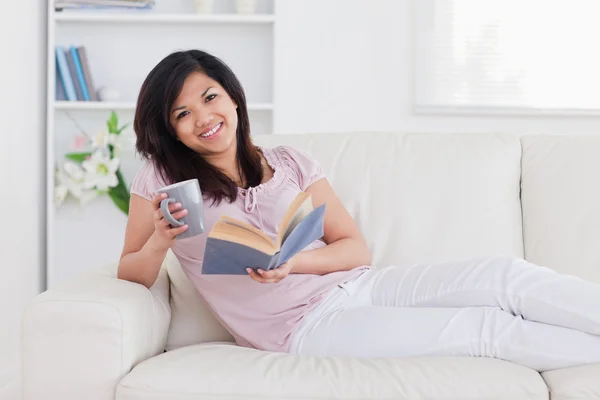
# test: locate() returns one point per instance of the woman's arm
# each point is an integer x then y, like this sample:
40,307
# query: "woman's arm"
346,247
148,237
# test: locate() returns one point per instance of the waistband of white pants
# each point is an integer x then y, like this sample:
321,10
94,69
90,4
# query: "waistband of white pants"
337,298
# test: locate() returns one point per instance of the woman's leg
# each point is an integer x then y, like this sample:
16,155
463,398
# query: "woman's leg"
536,293
372,331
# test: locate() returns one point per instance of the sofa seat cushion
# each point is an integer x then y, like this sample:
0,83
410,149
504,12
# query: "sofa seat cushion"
225,371
579,383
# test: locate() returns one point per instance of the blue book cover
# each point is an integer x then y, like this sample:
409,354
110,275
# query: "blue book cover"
73,73
59,91
79,72
65,76
232,246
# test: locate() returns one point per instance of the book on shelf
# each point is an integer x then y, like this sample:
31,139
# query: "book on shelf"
73,76
234,245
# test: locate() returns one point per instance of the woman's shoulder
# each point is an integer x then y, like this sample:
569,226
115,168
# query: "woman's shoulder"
147,180
301,165
291,155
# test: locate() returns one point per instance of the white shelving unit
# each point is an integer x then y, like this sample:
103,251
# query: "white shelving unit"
122,48
164,18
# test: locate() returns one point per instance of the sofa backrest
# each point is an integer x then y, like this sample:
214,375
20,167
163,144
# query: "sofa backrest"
561,203
415,197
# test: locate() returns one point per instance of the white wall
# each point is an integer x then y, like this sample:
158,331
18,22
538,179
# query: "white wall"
346,65
22,122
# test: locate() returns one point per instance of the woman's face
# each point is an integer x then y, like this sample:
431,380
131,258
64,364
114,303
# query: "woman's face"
204,116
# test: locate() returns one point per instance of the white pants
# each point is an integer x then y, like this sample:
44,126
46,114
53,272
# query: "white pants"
504,308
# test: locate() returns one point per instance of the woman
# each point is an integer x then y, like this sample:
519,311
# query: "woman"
191,122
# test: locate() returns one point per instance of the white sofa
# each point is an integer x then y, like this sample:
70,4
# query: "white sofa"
416,197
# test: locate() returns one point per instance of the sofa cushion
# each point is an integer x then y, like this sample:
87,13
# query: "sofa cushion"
579,383
228,372
561,203
192,320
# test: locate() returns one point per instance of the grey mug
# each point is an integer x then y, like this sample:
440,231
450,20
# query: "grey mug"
189,195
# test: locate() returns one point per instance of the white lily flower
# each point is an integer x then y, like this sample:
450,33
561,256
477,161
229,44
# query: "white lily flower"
73,170
123,142
70,177
101,140
100,171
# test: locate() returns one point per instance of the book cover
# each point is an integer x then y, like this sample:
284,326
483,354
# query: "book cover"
232,245
65,75
59,89
87,74
79,73
73,73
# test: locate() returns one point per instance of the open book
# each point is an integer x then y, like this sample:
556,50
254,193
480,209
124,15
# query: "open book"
233,245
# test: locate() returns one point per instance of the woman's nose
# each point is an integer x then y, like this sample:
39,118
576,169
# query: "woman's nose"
204,118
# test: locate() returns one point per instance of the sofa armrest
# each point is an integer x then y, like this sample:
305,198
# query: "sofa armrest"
81,339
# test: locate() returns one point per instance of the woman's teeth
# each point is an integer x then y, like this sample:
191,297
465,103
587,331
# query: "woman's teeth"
212,131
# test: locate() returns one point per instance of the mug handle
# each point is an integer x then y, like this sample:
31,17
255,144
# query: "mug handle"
164,210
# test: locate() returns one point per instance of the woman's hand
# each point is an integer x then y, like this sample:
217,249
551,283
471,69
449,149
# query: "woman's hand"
164,235
271,276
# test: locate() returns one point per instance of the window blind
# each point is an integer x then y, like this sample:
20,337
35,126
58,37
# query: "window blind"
507,55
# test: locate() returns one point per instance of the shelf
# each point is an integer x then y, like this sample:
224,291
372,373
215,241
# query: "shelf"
110,105
163,18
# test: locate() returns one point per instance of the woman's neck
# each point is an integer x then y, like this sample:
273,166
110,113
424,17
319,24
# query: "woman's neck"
227,163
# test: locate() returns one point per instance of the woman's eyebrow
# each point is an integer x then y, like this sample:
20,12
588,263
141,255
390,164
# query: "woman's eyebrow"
182,107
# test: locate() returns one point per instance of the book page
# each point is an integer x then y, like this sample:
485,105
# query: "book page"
242,225
305,208
236,234
301,201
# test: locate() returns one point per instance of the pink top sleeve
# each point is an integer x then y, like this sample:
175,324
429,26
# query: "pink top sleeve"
305,169
146,182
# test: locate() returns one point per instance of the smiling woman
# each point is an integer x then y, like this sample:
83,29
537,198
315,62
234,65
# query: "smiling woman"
326,300
192,119
191,122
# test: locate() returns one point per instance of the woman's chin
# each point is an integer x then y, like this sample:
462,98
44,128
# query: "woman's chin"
218,144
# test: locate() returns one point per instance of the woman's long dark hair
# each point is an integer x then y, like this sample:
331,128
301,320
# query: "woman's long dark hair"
156,138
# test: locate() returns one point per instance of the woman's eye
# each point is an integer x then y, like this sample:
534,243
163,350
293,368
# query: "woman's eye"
182,114
210,97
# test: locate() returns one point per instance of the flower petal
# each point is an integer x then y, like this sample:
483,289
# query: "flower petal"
73,170
113,165
112,180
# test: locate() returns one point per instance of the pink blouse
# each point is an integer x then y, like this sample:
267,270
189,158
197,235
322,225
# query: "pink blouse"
258,315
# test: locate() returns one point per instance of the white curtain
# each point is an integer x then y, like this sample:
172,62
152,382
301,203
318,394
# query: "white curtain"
508,54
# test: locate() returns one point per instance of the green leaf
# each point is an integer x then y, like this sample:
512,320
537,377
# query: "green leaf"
78,157
120,194
122,185
112,122
121,203
118,132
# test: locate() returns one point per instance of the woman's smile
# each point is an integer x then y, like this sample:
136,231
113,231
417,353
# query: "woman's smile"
211,132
